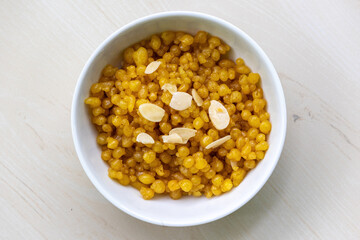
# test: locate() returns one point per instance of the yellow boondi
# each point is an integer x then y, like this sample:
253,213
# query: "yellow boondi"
165,158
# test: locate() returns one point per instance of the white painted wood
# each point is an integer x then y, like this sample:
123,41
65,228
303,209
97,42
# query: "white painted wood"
314,192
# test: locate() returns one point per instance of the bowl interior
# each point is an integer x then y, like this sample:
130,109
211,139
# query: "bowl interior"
189,210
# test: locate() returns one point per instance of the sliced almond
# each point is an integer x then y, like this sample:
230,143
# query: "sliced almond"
198,100
152,67
172,138
169,87
180,101
145,138
234,165
184,133
218,114
151,112
218,142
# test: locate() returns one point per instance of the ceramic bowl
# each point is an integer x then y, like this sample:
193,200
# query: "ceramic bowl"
187,211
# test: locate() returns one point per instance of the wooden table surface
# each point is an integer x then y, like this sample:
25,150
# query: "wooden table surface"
314,192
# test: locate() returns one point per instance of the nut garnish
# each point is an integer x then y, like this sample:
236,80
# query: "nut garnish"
218,142
172,138
184,133
219,115
145,138
180,101
169,87
234,165
151,112
152,67
198,100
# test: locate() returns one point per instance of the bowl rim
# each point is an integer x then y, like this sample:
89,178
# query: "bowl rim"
99,49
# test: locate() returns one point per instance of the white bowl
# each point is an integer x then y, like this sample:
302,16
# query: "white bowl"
187,211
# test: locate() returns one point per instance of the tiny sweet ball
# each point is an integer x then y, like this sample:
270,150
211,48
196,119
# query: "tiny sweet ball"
194,65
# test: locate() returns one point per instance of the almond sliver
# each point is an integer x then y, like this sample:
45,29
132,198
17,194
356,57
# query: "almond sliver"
234,165
219,115
218,142
152,67
169,87
184,133
180,101
198,100
172,138
145,138
151,112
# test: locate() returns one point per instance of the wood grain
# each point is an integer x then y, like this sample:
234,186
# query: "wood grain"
314,192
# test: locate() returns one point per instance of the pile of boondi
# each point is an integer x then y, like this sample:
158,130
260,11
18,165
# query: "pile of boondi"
179,117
